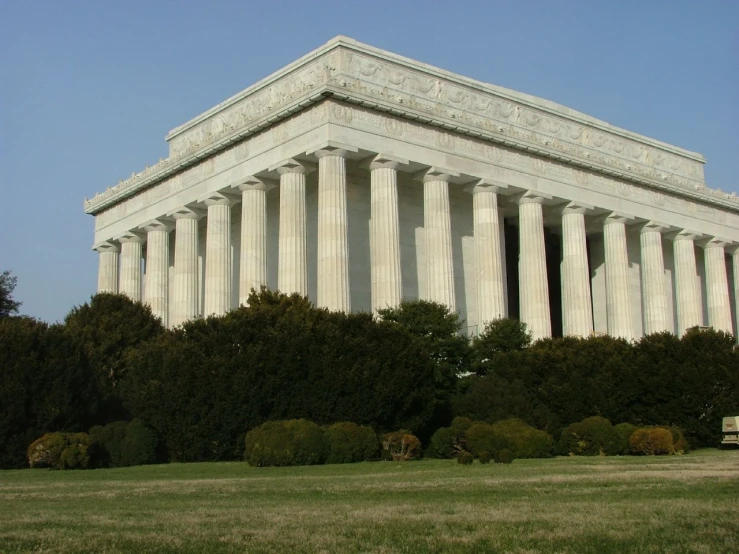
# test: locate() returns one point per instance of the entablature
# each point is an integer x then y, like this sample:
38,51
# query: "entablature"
359,74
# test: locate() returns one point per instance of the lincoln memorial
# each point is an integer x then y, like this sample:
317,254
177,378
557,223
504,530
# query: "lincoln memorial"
360,178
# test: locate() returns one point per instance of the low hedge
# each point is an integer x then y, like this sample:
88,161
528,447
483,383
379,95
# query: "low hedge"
447,442
61,451
624,432
651,441
126,443
526,441
514,435
593,436
286,443
349,442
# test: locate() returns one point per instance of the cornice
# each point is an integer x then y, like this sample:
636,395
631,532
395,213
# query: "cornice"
360,74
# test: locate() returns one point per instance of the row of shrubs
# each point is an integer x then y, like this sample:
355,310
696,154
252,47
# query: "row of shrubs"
466,440
501,441
596,436
302,442
118,444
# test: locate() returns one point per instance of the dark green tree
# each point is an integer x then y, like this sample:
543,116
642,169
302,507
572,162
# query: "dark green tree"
499,337
46,385
109,328
692,382
8,306
205,384
439,330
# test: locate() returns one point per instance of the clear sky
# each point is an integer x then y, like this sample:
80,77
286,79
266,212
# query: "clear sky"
89,89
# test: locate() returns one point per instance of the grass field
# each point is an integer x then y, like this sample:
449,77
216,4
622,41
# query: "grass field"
670,504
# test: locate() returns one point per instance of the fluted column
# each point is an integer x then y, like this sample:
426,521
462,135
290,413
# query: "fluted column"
218,268
253,259
654,294
386,273
130,278
186,294
717,286
489,253
687,285
156,278
437,225
532,268
292,270
333,232
107,267
577,310
618,302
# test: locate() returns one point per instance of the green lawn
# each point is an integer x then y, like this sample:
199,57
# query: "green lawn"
670,504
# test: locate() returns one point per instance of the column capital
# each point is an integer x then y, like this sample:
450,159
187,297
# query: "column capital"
106,246
131,236
218,199
252,182
715,242
617,217
291,165
186,212
532,197
574,207
435,173
379,161
158,224
652,226
332,148
485,185
684,234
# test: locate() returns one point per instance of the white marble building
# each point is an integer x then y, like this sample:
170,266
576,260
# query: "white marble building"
359,177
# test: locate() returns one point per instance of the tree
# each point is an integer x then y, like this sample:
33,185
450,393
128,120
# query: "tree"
438,330
45,386
109,328
8,306
500,336
205,384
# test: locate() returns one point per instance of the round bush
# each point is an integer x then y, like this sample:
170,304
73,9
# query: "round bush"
482,437
401,446
679,443
593,436
441,444
624,431
504,456
125,443
286,443
485,457
110,439
525,441
350,443
139,444
465,458
651,441
61,451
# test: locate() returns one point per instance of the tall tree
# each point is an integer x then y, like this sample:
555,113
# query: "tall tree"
204,385
110,327
45,385
499,337
8,306
439,330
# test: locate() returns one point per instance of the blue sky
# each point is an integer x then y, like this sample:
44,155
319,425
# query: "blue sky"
89,89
